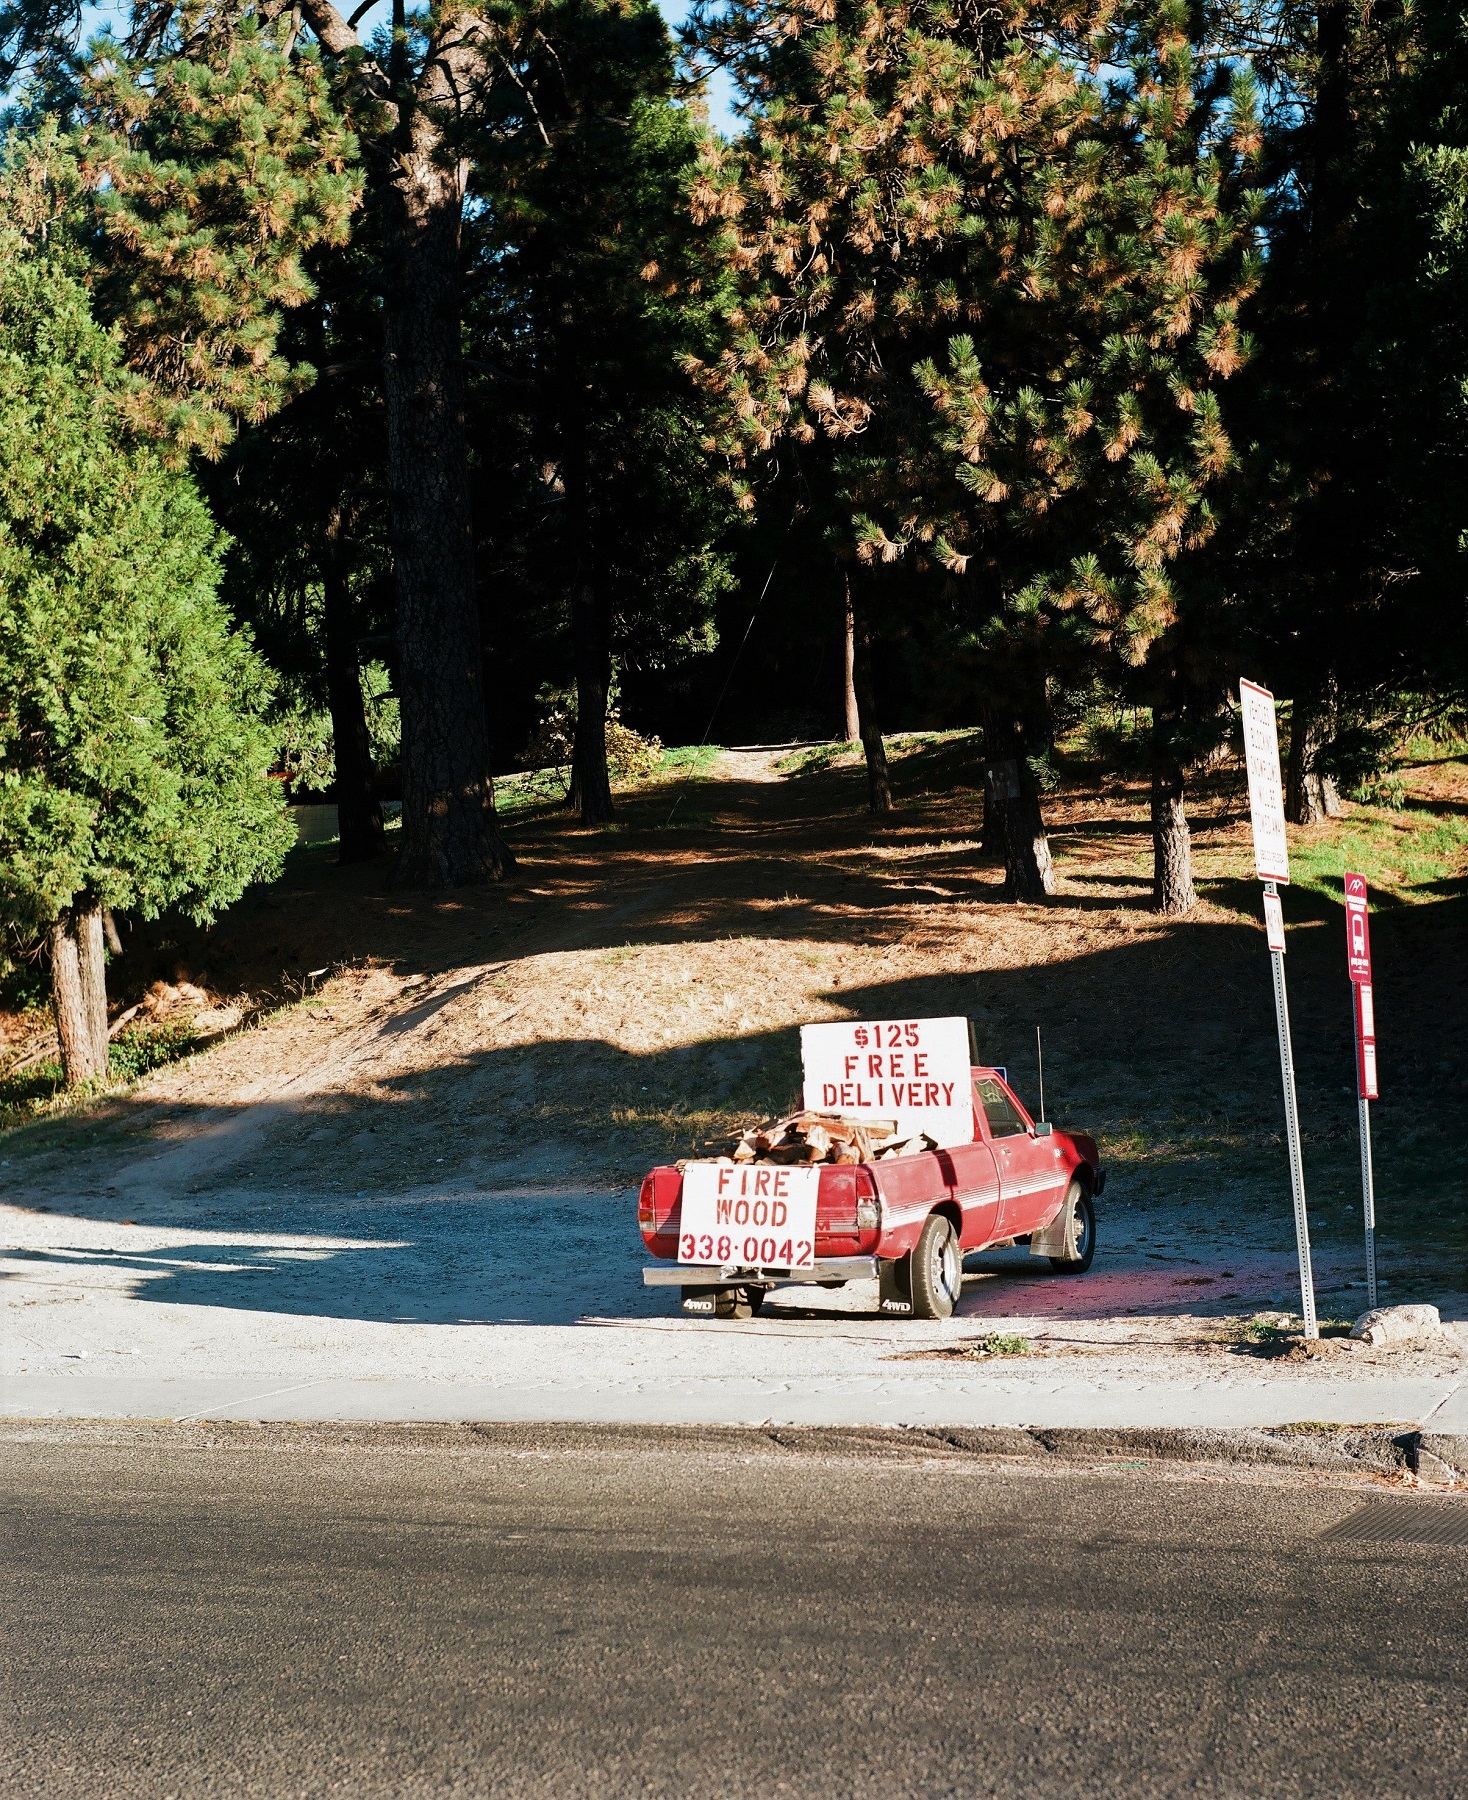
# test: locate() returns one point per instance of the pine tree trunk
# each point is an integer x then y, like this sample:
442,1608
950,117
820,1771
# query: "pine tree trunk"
1310,794
590,792
450,834
358,814
591,783
992,836
991,824
1172,850
79,992
879,786
1015,795
853,711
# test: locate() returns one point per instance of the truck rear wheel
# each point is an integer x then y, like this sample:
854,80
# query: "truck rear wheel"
935,1270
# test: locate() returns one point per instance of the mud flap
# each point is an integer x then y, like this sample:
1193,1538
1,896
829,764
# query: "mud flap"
1059,1236
893,1289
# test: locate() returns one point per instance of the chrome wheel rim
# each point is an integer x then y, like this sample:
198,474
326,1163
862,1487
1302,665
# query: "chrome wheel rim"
950,1267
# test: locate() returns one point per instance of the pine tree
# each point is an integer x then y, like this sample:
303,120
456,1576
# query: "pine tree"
191,189
133,753
583,306
1004,292
303,496
876,204
1344,544
410,94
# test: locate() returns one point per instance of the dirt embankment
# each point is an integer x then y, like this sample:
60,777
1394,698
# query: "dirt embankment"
630,991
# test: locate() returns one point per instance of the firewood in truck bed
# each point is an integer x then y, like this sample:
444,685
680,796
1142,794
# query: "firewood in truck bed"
807,1137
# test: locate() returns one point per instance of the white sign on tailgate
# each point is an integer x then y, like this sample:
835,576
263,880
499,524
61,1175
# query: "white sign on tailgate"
1266,791
751,1215
913,1071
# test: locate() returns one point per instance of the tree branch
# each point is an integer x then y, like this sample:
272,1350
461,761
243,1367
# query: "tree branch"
338,38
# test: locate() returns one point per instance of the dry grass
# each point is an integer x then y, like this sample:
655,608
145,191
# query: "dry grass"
624,997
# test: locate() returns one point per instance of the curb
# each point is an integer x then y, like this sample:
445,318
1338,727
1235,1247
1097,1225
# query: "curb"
1437,1460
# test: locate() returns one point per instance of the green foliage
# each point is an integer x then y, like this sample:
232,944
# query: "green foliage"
305,741
630,755
133,750
189,190
132,1053
32,1092
306,753
585,295
1059,264
1341,555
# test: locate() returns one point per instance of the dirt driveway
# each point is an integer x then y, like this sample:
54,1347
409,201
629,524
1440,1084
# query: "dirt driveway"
446,1132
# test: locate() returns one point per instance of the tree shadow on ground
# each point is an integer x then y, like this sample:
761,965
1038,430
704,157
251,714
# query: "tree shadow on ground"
477,1183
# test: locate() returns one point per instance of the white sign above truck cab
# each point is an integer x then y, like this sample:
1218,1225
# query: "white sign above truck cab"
914,1072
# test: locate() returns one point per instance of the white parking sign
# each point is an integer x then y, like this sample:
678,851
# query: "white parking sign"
1266,790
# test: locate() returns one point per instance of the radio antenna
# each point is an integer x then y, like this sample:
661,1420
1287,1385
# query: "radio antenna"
1040,1063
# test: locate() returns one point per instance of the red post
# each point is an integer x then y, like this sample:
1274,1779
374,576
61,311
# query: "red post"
1363,1012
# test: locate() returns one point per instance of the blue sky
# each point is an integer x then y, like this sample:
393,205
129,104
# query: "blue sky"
98,13
720,112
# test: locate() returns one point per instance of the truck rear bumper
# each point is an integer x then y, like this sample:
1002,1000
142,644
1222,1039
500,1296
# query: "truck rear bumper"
825,1268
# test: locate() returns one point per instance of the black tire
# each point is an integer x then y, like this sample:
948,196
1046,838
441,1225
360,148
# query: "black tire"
1080,1202
935,1270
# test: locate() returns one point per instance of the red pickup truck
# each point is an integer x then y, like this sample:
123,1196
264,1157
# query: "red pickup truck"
907,1220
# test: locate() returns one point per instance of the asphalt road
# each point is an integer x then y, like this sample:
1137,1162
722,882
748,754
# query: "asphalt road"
287,1613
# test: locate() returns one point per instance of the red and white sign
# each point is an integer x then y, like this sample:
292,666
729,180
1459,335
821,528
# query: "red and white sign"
748,1216
1358,930
912,1071
1274,922
1365,1041
1266,789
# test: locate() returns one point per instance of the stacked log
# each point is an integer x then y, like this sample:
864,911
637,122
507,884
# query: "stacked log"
807,1137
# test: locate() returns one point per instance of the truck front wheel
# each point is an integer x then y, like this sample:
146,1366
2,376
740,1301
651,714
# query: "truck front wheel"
935,1270
1079,1213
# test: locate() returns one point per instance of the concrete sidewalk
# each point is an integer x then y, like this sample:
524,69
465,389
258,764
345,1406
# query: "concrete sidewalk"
1117,1395
442,1308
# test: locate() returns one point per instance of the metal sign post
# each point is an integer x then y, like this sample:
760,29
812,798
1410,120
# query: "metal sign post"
1272,864
1363,1013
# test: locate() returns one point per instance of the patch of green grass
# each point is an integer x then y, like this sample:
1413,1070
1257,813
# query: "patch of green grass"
817,757
133,1053
1396,852
999,1343
689,761
34,1092
529,791
1423,748
29,1093
1261,1329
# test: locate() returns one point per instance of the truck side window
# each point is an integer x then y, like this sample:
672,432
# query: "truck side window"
999,1110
